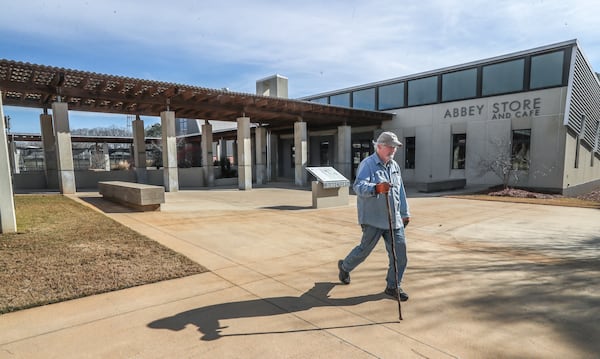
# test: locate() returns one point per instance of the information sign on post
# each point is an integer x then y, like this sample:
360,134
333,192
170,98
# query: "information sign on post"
329,177
330,189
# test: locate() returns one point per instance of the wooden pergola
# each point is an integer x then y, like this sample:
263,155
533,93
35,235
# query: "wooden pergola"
30,85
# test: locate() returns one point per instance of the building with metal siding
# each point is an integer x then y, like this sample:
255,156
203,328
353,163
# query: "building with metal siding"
532,116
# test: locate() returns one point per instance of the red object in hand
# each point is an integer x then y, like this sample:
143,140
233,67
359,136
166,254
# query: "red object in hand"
382,187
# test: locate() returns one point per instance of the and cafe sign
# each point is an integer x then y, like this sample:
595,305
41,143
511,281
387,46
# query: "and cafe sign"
499,110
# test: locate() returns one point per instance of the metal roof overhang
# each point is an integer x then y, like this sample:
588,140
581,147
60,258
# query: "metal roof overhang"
38,86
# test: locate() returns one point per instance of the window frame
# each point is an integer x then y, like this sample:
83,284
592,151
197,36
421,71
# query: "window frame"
523,163
502,70
446,77
422,91
344,95
460,162
382,92
410,150
533,70
372,98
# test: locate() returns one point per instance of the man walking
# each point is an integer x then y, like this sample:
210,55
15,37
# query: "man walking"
378,178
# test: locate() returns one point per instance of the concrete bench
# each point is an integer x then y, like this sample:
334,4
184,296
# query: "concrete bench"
445,185
141,197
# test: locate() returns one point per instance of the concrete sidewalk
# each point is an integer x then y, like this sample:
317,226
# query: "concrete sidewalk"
486,280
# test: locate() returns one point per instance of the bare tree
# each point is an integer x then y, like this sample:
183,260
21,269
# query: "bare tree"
506,162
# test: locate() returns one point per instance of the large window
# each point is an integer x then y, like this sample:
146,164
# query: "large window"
521,141
503,77
547,70
543,70
321,100
364,99
459,150
422,91
391,96
409,152
182,126
459,85
342,99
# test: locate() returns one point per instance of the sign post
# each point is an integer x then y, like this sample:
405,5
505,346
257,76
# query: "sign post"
330,189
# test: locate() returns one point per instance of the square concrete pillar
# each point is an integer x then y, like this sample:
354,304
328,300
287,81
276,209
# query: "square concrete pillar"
244,153
272,156
139,150
15,157
260,141
106,156
169,154
206,143
8,219
64,150
221,150
301,153
343,160
49,145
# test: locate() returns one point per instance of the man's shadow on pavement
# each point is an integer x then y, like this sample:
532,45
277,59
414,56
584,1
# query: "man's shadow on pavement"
207,318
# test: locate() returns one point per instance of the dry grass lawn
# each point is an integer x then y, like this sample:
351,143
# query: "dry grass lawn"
64,250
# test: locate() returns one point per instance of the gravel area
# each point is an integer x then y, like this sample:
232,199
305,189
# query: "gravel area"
519,193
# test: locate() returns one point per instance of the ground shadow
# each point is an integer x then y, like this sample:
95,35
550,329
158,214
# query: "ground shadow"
107,206
557,290
207,318
287,208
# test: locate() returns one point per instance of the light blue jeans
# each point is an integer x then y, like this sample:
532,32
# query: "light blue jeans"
370,237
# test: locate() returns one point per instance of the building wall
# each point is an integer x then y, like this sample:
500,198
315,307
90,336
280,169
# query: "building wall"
584,177
488,124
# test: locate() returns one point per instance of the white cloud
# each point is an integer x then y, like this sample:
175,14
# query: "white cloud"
319,45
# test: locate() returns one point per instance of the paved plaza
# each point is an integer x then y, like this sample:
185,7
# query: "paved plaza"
485,279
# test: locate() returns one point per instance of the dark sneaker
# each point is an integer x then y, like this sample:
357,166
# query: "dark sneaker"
344,276
392,292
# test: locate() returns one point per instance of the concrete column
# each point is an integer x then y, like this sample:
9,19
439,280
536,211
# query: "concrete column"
222,150
269,157
106,156
169,151
273,161
15,157
260,140
343,160
301,153
206,143
139,148
244,153
49,145
8,219
64,150
234,154
220,153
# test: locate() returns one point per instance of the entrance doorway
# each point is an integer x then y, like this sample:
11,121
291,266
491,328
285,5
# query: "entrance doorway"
361,149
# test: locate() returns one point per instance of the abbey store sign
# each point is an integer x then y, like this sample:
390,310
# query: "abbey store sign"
499,110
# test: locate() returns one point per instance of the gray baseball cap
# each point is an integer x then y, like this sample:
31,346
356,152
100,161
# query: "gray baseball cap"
388,138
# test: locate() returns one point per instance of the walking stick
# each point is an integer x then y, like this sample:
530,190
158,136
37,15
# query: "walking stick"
387,201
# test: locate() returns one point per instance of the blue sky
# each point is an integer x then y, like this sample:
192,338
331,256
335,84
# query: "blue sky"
318,45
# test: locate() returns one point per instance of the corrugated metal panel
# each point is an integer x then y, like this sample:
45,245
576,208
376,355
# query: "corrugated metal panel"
584,109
